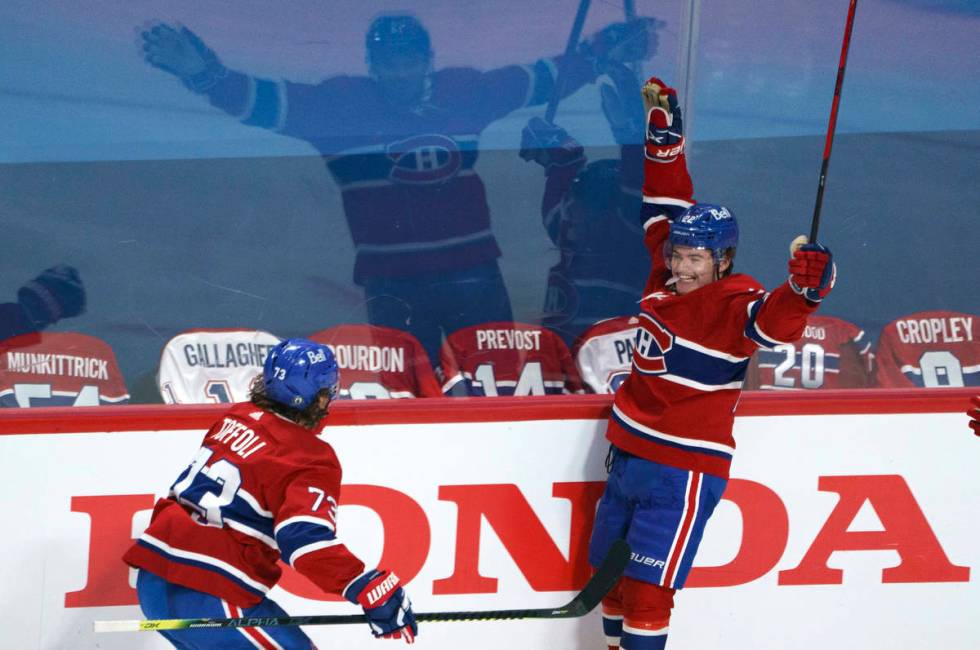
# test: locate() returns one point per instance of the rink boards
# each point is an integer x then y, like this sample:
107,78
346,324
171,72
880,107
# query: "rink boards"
850,520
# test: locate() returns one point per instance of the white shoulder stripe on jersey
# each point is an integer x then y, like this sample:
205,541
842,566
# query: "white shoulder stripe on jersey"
309,548
206,559
691,345
688,442
306,519
253,503
652,220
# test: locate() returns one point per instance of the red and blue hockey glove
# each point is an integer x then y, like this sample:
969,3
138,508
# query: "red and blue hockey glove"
181,52
388,609
548,145
974,414
665,127
812,272
55,294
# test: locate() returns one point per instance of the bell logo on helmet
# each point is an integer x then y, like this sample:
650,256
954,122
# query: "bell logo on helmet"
316,356
719,214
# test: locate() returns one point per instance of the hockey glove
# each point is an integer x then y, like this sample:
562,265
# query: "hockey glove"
974,413
626,42
388,609
812,272
548,145
665,126
55,294
182,53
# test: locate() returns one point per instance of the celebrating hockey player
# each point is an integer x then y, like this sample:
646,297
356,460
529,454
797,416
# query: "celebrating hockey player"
402,144
671,421
262,487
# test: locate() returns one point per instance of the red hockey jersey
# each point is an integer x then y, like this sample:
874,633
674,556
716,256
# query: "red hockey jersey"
677,407
379,362
59,369
507,358
929,349
832,353
260,488
604,353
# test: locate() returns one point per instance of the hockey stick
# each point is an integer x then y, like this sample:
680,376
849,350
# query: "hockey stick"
552,108
832,126
595,589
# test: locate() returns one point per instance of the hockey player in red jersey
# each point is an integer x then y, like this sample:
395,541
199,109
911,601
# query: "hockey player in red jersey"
671,421
402,144
262,487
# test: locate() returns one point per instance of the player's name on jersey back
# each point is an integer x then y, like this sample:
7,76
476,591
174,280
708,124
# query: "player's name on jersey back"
225,355
506,339
369,357
950,329
65,365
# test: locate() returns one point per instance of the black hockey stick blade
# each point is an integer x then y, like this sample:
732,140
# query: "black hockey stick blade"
584,602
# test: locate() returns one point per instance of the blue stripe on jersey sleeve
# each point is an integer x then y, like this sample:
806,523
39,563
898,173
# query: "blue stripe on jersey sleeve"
302,533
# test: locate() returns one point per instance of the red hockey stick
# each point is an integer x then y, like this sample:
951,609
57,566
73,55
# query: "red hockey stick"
832,126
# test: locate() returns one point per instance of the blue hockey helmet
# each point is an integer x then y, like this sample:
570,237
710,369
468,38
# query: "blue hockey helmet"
395,34
708,226
296,370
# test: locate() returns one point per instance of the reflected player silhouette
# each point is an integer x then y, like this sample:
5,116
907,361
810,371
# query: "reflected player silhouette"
402,143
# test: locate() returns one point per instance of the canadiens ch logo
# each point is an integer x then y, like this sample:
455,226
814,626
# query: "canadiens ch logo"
653,341
424,159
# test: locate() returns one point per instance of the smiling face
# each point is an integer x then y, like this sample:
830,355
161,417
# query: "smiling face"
693,268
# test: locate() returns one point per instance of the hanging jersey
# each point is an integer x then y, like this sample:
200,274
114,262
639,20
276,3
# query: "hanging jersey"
832,353
931,349
406,172
202,366
604,353
59,369
260,488
379,362
507,358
